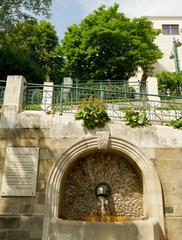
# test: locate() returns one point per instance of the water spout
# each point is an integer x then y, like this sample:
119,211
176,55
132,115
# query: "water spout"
104,211
103,191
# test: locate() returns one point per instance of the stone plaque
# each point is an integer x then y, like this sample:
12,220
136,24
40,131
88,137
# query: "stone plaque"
20,171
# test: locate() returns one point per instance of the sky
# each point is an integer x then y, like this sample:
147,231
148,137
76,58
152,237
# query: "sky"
67,12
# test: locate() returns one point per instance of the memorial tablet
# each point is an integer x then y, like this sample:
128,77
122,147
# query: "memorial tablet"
20,171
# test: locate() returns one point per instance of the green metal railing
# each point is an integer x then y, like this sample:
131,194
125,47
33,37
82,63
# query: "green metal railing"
66,99
118,97
2,90
33,97
114,85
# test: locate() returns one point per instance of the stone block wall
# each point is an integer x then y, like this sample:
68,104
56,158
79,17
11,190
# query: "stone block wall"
22,217
169,166
168,163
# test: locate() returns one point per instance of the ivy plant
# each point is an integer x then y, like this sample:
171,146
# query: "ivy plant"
176,123
93,113
136,118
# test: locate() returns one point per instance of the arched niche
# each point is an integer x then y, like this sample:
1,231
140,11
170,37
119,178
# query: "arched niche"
93,171
152,192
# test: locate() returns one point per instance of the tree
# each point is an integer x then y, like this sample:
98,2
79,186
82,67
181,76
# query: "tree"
12,11
16,62
170,83
108,45
39,42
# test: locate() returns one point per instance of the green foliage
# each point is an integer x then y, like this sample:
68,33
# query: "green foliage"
13,11
16,62
109,90
136,118
36,107
169,83
176,123
39,42
170,107
108,45
93,113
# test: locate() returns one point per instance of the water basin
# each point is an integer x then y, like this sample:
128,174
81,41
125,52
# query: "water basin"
108,219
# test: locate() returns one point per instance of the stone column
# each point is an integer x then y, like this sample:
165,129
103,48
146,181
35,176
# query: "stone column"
47,96
13,100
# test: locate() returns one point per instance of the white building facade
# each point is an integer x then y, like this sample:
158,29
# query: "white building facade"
171,28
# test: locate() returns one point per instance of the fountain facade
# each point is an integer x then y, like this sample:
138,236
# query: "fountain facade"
107,193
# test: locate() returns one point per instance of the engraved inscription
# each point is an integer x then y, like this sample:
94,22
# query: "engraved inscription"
20,172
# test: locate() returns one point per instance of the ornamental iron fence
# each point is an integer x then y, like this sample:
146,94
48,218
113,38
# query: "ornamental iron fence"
62,99
2,90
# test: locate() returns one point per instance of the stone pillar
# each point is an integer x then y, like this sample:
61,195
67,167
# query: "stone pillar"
14,92
67,84
13,100
67,81
47,96
152,87
135,83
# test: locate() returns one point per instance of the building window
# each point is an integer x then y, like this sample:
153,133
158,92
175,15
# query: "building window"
170,29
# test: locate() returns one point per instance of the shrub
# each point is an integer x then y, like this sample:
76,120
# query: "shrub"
136,118
93,113
169,83
176,123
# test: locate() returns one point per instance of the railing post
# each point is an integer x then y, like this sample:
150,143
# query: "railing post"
14,93
77,95
152,87
61,101
67,84
47,96
13,100
135,83
101,90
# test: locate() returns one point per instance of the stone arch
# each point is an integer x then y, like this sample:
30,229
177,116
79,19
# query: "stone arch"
153,202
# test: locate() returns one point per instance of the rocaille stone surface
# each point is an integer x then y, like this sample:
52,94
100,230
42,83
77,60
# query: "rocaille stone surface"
79,198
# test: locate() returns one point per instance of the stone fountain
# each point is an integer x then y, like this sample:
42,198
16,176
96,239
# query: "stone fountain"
101,185
101,195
